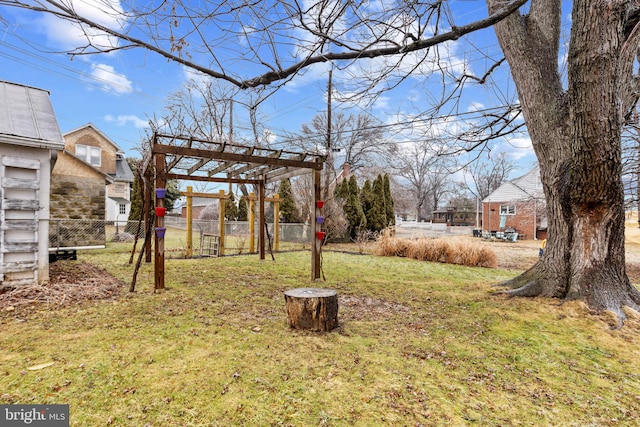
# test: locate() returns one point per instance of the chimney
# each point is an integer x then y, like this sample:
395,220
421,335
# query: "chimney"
346,171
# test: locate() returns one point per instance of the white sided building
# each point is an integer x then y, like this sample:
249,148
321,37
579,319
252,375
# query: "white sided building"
29,139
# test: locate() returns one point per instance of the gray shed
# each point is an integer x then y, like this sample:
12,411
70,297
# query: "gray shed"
29,139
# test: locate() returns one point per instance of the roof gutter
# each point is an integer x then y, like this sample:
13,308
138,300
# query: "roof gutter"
30,142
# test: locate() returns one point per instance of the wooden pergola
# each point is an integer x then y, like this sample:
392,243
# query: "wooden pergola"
186,158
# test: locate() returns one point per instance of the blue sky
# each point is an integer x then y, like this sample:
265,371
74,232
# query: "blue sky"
118,92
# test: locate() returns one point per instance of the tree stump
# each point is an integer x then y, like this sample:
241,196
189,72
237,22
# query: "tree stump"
312,308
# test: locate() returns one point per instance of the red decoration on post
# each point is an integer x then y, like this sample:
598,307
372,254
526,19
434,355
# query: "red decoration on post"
161,211
319,204
320,235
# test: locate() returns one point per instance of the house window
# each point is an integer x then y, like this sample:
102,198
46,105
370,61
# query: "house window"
507,210
123,209
89,154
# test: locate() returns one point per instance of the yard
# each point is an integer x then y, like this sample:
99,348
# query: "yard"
418,344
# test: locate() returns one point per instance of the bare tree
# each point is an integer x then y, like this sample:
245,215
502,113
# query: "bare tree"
631,162
485,176
355,139
426,172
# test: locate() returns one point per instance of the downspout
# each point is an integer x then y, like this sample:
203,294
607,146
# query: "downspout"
53,158
535,226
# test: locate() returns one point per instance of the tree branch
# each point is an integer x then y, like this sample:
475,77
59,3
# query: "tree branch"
67,12
454,34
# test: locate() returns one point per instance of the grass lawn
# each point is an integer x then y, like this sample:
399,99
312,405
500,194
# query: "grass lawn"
419,344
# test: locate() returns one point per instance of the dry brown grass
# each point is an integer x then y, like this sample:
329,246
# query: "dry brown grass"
437,250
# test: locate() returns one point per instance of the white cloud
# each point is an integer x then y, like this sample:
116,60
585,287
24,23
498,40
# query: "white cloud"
308,76
68,35
109,80
475,106
195,76
123,120
382,103
517,148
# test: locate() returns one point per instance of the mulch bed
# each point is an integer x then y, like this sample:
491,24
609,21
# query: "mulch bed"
70,282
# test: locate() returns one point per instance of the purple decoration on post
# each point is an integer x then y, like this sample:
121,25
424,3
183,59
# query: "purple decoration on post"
161,192
160,232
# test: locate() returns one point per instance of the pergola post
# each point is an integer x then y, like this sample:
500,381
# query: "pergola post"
146,188
276,220
316,244
276,223
261,219
189,209
159,241
252,224
221,208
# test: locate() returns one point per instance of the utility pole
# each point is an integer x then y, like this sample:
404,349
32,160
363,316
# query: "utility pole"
230,134
328,149
231,121
329,96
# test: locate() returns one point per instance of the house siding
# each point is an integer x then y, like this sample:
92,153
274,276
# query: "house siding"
525,193
90,137
43,157
28,132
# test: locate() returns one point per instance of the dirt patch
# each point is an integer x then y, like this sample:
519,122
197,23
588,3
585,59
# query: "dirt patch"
368,309
69,283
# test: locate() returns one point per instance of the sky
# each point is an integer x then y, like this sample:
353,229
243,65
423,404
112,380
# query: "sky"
119,92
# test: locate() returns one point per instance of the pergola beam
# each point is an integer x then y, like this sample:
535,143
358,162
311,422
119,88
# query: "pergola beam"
198,165
234,157
217,180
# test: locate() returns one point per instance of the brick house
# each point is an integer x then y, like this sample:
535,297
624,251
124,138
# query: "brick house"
29,139
199,205
517,205
96,168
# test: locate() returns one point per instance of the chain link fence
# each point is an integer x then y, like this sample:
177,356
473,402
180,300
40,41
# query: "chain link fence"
69,233
86,234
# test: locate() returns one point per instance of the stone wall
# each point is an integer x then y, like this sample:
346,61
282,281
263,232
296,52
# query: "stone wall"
77,198
77,212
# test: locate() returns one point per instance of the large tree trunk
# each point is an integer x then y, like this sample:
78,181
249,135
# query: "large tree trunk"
576,137
598,273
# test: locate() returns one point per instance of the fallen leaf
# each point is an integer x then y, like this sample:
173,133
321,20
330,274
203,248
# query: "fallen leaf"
41,366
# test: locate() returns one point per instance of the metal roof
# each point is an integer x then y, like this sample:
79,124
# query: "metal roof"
526,187
123,171
27,117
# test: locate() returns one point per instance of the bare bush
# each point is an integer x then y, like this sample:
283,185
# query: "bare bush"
210,213
123,237
363,239
437,250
